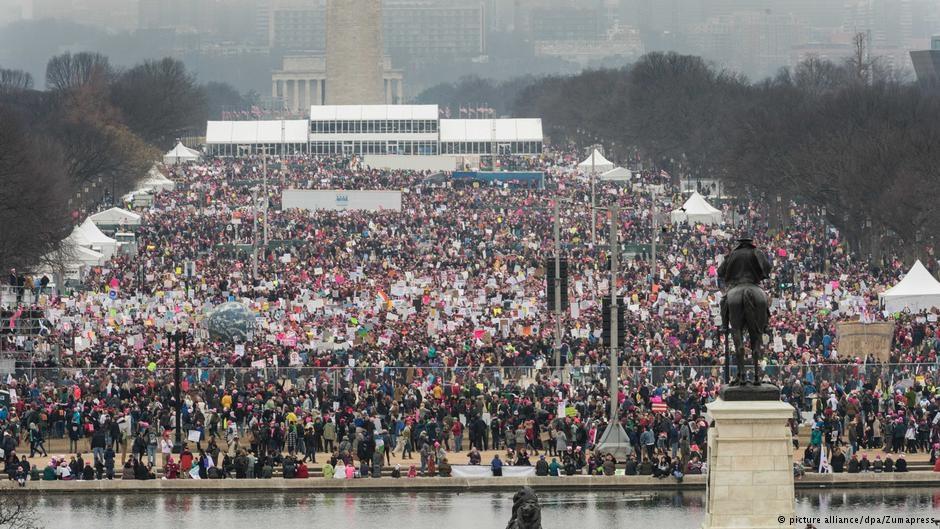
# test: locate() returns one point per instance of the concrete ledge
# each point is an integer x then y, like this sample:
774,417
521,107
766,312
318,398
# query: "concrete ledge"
579,483
572,483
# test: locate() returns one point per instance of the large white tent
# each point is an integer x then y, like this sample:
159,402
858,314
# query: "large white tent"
99,241
155,181
180,154
116,217
597,162
78,237
917,291
617,174
697,210
72,258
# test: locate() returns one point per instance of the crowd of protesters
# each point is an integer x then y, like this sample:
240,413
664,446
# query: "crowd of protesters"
389,336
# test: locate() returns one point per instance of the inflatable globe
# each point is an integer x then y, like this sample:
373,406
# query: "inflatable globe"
230,322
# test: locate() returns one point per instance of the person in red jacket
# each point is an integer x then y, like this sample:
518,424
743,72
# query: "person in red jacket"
302,471
171,469
186,460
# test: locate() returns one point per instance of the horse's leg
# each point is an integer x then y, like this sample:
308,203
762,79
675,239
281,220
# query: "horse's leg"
738,337
756,350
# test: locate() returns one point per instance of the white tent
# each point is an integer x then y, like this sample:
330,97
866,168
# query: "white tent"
155,181
116,217
78,237
180,154
99,241
697,210
918,291
617,174
600,164
85,256
71,257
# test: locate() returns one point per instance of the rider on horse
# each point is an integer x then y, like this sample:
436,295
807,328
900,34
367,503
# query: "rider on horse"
745,307
744,266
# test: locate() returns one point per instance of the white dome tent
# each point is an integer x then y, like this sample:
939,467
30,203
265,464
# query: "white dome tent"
597,163
116,217
99,241
917,291
155,181
617,174
180,154
696,210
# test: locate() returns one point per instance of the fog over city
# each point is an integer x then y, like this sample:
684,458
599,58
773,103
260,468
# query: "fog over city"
241,42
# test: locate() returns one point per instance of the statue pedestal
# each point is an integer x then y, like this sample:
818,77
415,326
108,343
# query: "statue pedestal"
750,465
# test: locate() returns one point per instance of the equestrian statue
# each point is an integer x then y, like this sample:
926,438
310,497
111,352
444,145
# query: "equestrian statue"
745,307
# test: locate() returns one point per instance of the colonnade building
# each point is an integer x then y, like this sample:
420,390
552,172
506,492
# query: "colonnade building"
301,82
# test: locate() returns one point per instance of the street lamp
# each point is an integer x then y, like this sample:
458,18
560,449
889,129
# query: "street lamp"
176,338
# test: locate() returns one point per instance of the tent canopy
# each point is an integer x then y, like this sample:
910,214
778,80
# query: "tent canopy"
116,216
697,210
600,164
180,154
617,174
72,256
89,234
94,234
156,181
917,291
78,237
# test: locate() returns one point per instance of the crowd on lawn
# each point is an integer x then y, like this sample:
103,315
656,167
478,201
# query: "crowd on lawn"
424,332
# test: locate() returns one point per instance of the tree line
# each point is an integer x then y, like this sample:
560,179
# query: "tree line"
850,138
90,136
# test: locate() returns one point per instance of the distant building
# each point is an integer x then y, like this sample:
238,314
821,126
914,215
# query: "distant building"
301,82
419,31
115,15
927,63
557,20
295,24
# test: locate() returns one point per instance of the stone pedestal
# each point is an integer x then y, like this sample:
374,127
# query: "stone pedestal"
750,466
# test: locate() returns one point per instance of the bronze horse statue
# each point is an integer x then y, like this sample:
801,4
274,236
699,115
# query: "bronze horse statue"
745,306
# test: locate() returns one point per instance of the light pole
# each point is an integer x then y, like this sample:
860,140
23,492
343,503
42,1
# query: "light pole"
653,242
557,285
593,210
614,440
254,233
825,240
173,338
264,165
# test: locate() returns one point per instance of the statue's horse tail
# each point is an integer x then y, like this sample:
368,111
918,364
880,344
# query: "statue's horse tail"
755,302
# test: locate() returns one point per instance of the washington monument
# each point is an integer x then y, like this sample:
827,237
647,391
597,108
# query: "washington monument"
354,52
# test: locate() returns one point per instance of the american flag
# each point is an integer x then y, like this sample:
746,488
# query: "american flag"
663,173
658,405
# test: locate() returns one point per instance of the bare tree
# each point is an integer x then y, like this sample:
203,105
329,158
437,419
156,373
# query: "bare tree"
69,72
160,101
17,513
12,81
34,214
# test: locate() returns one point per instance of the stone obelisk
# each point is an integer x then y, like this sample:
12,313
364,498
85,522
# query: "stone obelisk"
354,52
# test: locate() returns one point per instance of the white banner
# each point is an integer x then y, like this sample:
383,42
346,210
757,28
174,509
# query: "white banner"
340,199
484,471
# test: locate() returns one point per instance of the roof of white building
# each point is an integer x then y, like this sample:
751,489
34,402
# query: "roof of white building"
247,132
526,129
372,112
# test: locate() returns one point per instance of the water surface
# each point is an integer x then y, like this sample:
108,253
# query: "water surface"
568,510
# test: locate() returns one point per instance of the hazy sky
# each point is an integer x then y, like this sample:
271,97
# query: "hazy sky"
241,41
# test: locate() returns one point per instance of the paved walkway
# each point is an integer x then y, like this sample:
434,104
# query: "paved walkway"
59,448
638,484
